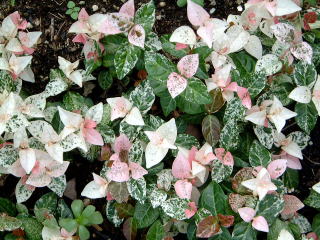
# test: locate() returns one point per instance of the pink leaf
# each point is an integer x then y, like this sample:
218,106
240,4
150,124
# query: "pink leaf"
128,8
219,153
180,46
83,15
260,223
192,209
119,172
196,14
233,87
92,136
228,159
277,167
244,95
247,213
80,38
176,84
136,170
181,168
18,21
183,189
188,65
122,143
88,123
206,32
292,204
137,36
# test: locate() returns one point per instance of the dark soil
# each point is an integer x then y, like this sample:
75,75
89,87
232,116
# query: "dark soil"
48,16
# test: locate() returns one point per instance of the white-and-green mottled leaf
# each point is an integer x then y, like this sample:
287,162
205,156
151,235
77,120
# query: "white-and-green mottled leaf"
300,138
112,214
125,59
175,208
229,137
136,152
8,223
302,222
17,121
58,185
306,116
220,171
235,110
138,189
143,97
8,155
22,192
57,84
264,135
304,74
268,64
270,207
157,197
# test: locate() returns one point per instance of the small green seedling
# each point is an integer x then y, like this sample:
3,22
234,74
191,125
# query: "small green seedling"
73,10
182,3
84,217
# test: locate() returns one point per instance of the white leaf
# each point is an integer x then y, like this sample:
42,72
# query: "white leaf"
285,235
184,35
285,7
301,94
95,113
254,47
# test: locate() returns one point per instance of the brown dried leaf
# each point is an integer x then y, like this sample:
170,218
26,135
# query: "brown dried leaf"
208,227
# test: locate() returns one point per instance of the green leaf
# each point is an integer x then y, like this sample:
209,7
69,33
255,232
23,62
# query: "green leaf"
291,178
95,218
145,214
158,68
255,82
143,97
63,210
71,4
74,101
182,3
235,110
307,116
170,47
244,231
74,15
138,189
56,122
270,207
316,224
229,137
156,231
259,155
281,91
130,228
211,129
189,107
125,59
77,207
68,223
244,62
8,207
313,200
213,199
304,74
8,223
105,79
84,233
168,104
276,228
175,208
145,16
196,92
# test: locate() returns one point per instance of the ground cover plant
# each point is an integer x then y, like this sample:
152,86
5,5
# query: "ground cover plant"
199,134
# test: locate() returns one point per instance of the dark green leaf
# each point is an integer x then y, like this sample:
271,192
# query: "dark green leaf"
105,79
145,214
307,116
145,16
244,231
125,59
156,231
259,155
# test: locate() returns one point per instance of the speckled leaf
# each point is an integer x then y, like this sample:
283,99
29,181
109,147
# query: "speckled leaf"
145,214
8,155
270,207
175,208
15,122
302,222
112,214
58,185
244,231
259,155
165,179
57,83
6,82
300,138
142,97
307,116
107,133
130,131
213,199
136,152
152,42
73,101
157,197
304,74
276,228
264,135
145,16
8,223
235,110
211,129
119,191
138,189
220,171
268,64
48,201
125,59
32,228
229,138
281,91
313,200
22,192
186,141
